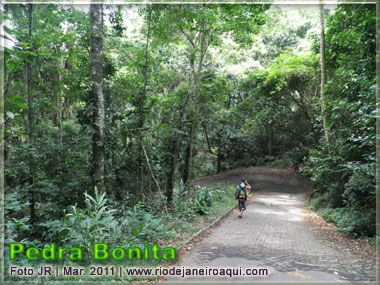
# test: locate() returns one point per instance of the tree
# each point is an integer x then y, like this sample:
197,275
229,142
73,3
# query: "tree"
191,90
201,26
142,98
97,96
349,95
323,73
28,77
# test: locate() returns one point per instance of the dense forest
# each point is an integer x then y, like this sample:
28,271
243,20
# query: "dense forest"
113,112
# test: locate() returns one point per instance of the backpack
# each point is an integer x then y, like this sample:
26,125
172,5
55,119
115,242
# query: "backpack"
242,192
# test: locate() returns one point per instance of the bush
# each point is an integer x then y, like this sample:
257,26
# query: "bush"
198,203
201,201
94,223
355,222
325,167
316,202
347,188
360,190
15,216
135,225
296,155
60,172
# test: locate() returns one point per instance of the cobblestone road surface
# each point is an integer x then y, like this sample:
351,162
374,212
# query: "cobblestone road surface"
273,235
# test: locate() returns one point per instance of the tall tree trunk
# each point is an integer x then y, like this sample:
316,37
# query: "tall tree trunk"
186,176
323,73
219,161
29,95
61,65
66,108
97,96
185,171
207,139
194,124
178,136
171,172
29,78
269,142
141,103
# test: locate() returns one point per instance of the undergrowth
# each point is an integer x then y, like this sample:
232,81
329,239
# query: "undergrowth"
146,222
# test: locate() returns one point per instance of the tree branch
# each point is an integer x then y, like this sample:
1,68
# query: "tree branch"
182,31
208,141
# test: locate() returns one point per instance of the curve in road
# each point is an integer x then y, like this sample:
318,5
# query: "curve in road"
273,235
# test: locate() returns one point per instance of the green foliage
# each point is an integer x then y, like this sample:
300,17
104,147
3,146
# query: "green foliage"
276,114
317,202
343,171
15,226
60,173
353,191
354,221
197,204
15,107
296,155
147,225
258,104
360,189
201,201
95,223
291,30
239,20
350,38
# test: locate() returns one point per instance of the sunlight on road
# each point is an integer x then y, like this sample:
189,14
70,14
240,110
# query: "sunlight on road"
274,235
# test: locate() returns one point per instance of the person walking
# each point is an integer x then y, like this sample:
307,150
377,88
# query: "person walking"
241,195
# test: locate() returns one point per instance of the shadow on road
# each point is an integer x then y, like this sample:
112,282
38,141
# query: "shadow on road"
272,235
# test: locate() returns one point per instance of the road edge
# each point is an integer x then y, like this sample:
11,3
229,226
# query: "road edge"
213,224
251,196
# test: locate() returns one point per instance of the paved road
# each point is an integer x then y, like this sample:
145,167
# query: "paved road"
273,235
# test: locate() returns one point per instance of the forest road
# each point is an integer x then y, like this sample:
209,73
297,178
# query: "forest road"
271,235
